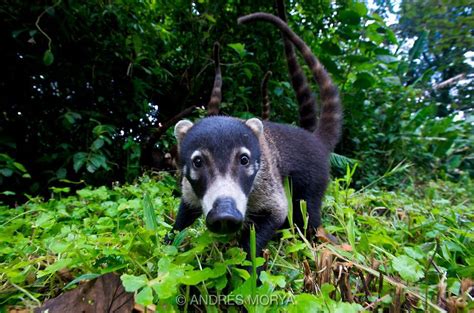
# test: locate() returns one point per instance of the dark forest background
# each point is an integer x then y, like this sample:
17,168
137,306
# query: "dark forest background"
85,84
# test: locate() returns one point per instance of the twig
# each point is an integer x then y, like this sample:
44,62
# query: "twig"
27,293
449,82
38,20
373,304
428,267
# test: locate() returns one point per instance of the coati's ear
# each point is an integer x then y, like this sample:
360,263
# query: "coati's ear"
256,125
181,129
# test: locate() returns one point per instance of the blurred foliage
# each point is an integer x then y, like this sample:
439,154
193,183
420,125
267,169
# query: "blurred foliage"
85,82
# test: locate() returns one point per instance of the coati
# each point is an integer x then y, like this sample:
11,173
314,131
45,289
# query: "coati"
233,170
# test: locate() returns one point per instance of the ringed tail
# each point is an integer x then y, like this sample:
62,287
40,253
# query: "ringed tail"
216,94
304,96
329,127
265,97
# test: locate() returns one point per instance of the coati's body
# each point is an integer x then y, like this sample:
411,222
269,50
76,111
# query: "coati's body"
233,170
280,151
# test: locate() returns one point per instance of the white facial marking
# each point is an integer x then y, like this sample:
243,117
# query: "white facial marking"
250,170
246,151
193,173
224,186
195,154
188,193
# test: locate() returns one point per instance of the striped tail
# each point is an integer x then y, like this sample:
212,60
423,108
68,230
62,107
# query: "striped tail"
306,100
265,97
216,95
329,127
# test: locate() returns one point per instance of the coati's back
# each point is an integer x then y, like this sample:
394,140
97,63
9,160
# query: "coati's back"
294,145
302,156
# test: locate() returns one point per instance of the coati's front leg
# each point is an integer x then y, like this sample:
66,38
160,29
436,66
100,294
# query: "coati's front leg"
265,227
187,214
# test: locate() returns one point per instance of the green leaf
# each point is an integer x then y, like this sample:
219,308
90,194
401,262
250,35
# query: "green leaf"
56,266
415,252
97,144
137,43
296,247
349,17
392,80
133,283
90,167
409,269
83,277
239,48
364,80
387,58
331,47
417,48
79,159
48,58
149,213
306,302
195,277
278,91
144,297
274,280
98,160
20,167
360,8
344,307
167,283
6,172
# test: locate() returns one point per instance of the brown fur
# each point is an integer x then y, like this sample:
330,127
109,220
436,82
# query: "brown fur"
265,97
329,127
306,99
216,95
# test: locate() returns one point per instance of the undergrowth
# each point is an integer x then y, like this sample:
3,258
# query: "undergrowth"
410,249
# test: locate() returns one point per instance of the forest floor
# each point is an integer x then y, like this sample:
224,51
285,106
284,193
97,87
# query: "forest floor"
409,249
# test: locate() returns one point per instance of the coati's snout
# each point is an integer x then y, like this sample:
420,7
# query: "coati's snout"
224,218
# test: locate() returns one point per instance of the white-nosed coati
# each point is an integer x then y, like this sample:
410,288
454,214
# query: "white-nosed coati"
233,170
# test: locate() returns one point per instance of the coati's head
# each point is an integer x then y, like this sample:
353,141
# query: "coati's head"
220,157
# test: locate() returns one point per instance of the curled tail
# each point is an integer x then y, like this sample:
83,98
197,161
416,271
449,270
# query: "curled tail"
329,127
265,97
216,95
306,100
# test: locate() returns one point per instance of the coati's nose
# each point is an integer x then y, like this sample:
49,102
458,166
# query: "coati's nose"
224,218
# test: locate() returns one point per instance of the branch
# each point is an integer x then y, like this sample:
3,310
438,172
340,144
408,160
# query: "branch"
449,82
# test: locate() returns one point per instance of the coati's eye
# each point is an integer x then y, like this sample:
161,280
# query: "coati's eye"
197,162
244,160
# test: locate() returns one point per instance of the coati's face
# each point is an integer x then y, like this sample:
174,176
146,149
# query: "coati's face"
219,158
